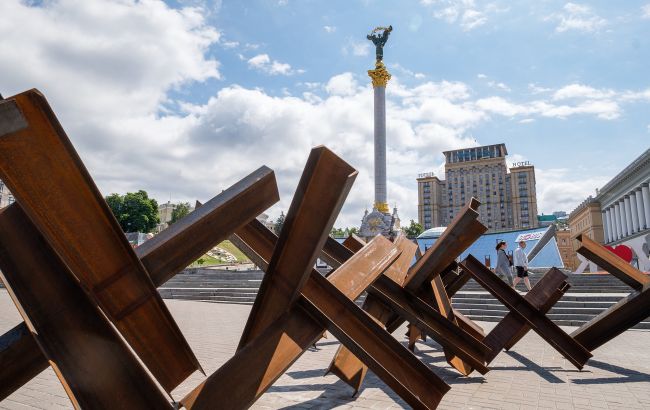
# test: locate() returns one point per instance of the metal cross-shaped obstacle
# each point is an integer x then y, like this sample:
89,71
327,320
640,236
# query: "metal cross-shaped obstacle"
71,273
626,313
416,293
527,312
428,309
296,304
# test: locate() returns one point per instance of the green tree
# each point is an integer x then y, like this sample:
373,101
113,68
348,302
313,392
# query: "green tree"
180,211
350,231
135,211
413,230
278,224
338,232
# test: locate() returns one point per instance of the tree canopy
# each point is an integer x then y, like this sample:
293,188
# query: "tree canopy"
180,211
413,230
135,211
343,232
278,224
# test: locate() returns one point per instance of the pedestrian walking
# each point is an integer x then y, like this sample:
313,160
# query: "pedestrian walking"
521,265
503,263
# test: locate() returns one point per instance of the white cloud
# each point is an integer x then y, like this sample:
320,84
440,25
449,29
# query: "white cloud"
263,63
104,59
342,85
229,44
636,95
562,189
645,11
329,29
581,91
472,19
536,89
466,13
498,85
527,121
356,48
403,70
114,119
498,105
481,76
577,17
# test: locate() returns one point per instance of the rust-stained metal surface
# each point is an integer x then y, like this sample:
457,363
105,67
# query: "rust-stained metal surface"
267,356
322,189
464,230
548,290
627,312
549,331
345,364
47,178
96,368
259,243
423,276
20,357
33,131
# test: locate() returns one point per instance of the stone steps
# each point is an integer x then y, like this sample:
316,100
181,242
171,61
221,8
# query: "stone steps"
589,294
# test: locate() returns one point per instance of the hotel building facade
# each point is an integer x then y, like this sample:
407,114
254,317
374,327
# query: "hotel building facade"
508,199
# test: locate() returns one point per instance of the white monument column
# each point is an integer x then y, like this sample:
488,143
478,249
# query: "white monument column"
380,77
618,220
608,223
643,223
628,215
635,213
621,211
645,190
381,201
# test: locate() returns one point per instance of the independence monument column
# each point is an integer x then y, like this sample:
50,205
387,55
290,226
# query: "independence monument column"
380,220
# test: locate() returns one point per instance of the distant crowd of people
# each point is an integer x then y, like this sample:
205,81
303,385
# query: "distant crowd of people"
519,261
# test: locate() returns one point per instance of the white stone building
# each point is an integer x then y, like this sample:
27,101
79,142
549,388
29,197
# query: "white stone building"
625,207
6,198
625,202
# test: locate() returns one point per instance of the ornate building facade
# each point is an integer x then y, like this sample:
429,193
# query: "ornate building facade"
509,199
619,215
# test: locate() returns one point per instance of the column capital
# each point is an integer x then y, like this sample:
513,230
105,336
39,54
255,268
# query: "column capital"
379,75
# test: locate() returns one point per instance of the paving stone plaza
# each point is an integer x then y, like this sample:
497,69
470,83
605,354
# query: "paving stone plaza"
532,376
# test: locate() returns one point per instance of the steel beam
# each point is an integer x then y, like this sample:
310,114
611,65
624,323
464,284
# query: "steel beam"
549,331
20,357
97,369
323,187
627,312
548,290
44,173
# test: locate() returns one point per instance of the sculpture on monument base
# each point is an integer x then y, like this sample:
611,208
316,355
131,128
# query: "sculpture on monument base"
379,223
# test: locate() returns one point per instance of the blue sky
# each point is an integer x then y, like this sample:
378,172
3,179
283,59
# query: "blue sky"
185,97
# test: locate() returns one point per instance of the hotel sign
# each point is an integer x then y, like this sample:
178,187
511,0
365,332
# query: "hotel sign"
534,236
520,164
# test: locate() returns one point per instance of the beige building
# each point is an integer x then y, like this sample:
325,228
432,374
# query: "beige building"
6,198
508,199
565,246
586,220
430,190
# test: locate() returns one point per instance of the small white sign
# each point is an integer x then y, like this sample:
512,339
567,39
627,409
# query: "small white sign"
534,236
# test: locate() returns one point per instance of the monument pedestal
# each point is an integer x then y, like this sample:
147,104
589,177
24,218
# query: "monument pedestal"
379,223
